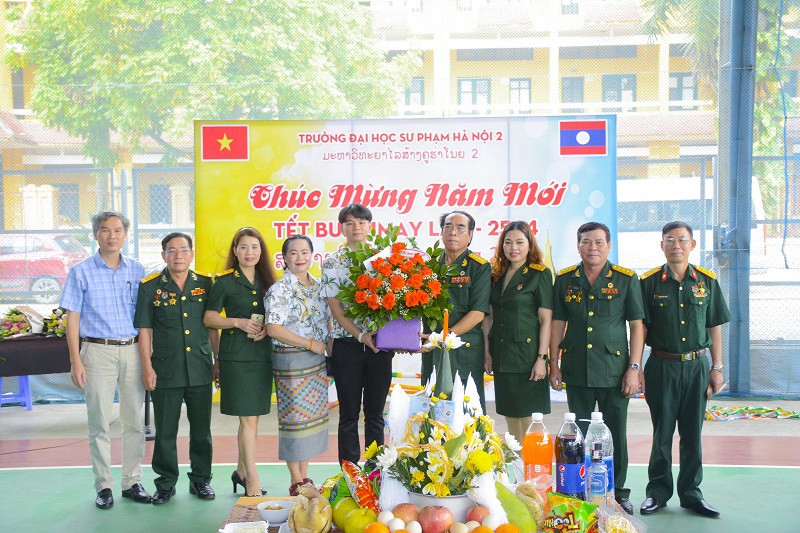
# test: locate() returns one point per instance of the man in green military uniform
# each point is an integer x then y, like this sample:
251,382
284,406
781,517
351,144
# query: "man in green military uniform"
684,313
595,298
177,366
469,295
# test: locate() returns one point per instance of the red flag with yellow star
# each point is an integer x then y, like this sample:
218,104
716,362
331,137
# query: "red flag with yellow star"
221,142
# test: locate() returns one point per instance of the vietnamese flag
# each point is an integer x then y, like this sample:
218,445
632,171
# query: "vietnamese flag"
221,142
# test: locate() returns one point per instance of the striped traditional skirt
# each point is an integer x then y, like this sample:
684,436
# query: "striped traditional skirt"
301,383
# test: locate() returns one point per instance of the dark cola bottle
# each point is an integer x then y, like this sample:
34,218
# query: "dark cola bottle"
570,459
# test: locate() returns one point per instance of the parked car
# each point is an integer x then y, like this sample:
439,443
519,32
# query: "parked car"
34,266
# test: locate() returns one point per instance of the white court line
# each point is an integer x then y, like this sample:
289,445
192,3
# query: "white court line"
795,467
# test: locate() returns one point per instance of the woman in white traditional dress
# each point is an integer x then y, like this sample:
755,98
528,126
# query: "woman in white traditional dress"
297,321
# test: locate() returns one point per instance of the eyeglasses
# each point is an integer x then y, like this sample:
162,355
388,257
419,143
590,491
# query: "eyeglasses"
461,228
176,251
683,241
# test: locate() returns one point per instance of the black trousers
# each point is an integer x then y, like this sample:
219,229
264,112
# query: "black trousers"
360,373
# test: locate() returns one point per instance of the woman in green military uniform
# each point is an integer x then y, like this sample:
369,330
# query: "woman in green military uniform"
518,327
245,358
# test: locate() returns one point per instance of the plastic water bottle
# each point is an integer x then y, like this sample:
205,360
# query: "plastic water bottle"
599,432
597,478
570,459
537,454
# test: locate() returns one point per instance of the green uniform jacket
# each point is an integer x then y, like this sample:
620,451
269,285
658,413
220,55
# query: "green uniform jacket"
594,352
678,313
514,337
469,291
233,292
181,351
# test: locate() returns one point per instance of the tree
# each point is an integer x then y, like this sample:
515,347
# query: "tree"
151,67
701,18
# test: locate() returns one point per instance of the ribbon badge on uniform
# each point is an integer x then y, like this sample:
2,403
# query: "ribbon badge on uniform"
610,289
198,291
699,290
519,287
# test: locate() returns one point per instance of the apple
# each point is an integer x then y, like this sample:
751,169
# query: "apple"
477,513
435,519
340,510
406,512
357,519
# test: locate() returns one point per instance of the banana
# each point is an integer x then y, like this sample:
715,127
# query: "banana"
537,510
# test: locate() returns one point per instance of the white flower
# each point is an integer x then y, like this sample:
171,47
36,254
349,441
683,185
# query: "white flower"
387,458
452,341
512,442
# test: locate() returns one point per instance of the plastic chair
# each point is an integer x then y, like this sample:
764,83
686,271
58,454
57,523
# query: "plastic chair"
23,396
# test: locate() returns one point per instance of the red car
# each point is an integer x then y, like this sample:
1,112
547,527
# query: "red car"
34,266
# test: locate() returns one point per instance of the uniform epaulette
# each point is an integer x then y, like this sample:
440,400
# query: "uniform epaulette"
623,270
567,270
537,266
650,272
204,274
706,271
152,276
224,272
478,259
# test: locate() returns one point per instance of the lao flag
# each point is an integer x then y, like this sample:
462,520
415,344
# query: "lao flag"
583,137
220,142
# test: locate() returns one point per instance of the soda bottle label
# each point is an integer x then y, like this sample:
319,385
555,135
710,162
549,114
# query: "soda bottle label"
609,461
571,478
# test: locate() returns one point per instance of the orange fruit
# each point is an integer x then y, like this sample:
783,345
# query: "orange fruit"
482,529
507,528
376,527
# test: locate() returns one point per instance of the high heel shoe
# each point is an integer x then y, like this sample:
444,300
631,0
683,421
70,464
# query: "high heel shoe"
243,482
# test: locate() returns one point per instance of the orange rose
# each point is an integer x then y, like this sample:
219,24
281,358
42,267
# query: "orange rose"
398,247
361,297
374,283
435,287
412,299
397,282
378,262
388,301
406,267
372,301
418,259
423,297
415,281
385,270
363,281
395,259
425,271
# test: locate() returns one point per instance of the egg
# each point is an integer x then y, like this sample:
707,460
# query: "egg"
395,524
458,527
414,527
492,521
472,524
385,517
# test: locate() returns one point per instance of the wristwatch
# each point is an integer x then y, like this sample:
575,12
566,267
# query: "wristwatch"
544,356
717,367
634,366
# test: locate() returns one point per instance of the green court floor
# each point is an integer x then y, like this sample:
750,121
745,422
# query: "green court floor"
62,500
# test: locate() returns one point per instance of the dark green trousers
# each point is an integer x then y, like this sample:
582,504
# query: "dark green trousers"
676,393
614,406
166,415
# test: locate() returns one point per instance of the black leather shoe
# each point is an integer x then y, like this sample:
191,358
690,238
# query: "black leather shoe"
702,508
137,494
202,491
105,500
163,495
625,503
651,505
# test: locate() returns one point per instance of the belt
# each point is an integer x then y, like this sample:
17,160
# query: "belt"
288,349
111,342
688,356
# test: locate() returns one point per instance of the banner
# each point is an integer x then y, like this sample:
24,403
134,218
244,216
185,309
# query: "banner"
292,177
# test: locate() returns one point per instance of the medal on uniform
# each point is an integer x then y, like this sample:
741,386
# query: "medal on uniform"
519,287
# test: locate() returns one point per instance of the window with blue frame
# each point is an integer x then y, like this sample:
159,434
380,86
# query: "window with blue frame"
572,91
415,96
474,92
569,7
519,94
619,88
682,87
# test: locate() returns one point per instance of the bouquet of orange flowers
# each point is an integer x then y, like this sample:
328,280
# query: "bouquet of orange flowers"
393,281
